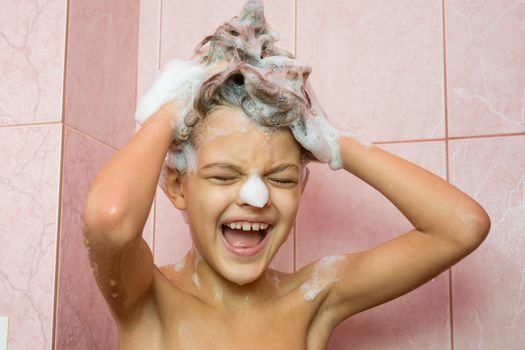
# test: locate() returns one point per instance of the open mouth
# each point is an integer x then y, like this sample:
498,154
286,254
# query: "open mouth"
245,238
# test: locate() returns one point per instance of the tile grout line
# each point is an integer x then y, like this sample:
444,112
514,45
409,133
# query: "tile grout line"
91,137
60,183
7,126
485,136
447,162
160,35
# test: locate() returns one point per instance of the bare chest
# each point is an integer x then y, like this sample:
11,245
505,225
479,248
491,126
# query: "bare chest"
285,323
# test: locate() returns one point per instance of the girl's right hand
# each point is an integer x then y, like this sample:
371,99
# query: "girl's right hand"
174,89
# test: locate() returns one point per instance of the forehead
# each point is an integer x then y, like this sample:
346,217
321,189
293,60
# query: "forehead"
227,134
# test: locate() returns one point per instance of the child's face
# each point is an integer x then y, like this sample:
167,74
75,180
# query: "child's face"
232,150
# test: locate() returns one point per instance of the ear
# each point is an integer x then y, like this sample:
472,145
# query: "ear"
175,189
305,177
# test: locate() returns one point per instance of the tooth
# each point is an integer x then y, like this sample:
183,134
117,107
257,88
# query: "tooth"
238,226
255,227
264,226
246,227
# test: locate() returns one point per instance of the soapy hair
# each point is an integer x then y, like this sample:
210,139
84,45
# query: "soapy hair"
266,82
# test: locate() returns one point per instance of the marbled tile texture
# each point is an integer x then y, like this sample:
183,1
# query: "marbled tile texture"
80,306
29,181
402,71
32,41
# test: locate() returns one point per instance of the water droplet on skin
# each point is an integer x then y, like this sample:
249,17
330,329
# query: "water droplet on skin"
112,282
434,279
314,111
114,295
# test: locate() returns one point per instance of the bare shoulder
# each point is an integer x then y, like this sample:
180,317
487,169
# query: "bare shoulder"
310,287
171,278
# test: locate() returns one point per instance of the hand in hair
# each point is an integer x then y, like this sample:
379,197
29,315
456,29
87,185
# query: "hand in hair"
174,89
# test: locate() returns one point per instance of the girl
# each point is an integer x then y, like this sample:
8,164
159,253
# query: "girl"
240,122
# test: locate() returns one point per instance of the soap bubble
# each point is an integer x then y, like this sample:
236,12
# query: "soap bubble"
260,78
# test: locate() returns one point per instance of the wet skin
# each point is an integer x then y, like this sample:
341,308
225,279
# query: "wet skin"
261,315
225,300
220,300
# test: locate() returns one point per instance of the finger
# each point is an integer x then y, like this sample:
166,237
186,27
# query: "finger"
307,133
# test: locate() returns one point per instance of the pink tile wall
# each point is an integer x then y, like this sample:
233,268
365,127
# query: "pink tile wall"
383,74
417,77
101,69
83,319
186,23
149,44
101,55
489,285
29,181
172,236
485,62
32,41
102,59
486,80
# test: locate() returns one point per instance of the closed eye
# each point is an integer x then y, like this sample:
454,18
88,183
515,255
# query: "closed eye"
283,182
223,179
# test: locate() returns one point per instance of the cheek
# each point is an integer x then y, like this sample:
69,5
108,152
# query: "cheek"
286,201
211,199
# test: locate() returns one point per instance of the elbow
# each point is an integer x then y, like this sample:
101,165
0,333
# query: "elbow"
105,224
476,229
482,226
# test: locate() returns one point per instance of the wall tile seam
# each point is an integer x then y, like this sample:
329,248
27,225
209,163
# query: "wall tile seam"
456,138
58,235
159,53
451,138
24,125
91,137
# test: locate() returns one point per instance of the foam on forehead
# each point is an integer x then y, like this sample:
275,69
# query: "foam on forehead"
266,82
226,121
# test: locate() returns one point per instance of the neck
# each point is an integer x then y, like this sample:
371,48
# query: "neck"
215,289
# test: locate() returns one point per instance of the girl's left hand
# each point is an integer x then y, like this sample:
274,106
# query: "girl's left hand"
317,135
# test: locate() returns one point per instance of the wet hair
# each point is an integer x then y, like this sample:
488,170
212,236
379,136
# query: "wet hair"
266,82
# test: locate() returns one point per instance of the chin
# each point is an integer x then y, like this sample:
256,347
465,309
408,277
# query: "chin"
242,275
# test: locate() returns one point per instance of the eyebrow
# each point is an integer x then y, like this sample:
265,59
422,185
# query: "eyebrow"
284,167
228,166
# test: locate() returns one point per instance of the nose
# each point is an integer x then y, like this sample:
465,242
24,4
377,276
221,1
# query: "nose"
254,192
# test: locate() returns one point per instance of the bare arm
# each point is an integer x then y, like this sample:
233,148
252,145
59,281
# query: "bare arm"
448,226
116,211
